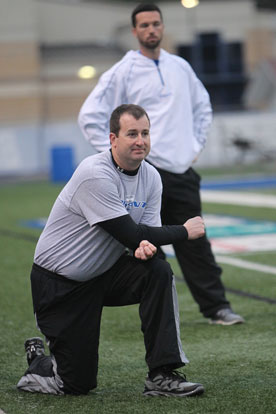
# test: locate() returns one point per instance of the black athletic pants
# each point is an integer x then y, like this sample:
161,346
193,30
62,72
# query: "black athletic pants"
181,201
68,313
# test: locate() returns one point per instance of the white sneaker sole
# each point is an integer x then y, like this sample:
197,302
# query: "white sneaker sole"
222,322
158,393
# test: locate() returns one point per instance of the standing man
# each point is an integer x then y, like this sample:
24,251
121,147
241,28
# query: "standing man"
180,112
111,202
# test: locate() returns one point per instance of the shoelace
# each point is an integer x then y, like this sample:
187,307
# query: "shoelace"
175,375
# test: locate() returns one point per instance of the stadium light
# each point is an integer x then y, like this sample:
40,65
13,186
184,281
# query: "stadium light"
189,4
87,72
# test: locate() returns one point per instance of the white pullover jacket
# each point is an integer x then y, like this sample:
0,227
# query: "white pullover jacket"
177,103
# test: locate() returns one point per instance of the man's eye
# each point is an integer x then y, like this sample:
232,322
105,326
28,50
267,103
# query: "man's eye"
145,134
144,25
156,24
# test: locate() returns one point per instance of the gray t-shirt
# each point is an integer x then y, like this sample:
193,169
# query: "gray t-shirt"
72,244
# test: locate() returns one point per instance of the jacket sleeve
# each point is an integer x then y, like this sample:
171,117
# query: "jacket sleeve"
96,110
202,110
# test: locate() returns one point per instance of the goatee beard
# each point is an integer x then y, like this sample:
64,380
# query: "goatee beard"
152,45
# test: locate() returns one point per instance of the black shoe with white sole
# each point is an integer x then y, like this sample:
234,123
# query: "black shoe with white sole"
171,384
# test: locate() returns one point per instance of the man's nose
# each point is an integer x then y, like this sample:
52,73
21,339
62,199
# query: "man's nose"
139,140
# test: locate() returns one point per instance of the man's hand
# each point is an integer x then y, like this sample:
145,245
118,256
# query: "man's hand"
145,250
195,228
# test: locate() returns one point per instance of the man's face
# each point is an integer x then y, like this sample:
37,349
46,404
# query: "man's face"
132,144
149,29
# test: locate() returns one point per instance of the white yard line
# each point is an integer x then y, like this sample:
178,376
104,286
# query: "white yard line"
244,264
238,198
243,199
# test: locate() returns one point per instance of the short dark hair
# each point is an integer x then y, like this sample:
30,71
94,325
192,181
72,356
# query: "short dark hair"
135,110
144,8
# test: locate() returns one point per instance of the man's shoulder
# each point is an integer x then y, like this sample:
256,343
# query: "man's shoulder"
149,170
95,166
124,63
174,58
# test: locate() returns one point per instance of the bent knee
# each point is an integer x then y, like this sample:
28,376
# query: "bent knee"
162,269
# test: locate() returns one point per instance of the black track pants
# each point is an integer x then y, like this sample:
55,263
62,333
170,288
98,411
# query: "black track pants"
69,314
181,201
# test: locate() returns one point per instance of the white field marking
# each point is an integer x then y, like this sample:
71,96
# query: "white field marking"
237,244
238,198
243,244
244,264
213,220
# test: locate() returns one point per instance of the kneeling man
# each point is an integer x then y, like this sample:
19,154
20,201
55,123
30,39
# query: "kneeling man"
98,249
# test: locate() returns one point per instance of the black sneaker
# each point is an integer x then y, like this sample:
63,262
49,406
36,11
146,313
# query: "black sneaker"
33,348
226,317
171,384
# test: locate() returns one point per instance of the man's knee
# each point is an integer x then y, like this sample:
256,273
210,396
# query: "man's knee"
79,389
161,270
78,374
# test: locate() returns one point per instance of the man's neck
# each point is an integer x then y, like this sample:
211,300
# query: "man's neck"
133,170
150,53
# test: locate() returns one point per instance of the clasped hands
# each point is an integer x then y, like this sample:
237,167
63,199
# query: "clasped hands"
195,229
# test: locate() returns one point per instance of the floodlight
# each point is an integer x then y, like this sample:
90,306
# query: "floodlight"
189,4
87,72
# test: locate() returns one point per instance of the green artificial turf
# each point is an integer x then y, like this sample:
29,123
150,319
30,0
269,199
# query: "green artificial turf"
236,364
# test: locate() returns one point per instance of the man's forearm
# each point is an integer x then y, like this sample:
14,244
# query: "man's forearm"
130,234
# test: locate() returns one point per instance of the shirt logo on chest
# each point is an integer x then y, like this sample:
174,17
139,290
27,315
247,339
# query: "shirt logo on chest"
130,203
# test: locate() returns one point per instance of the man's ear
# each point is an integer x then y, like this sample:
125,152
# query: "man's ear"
112,138
134,32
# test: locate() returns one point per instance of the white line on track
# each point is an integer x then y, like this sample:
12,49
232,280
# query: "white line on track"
238,198
244,264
